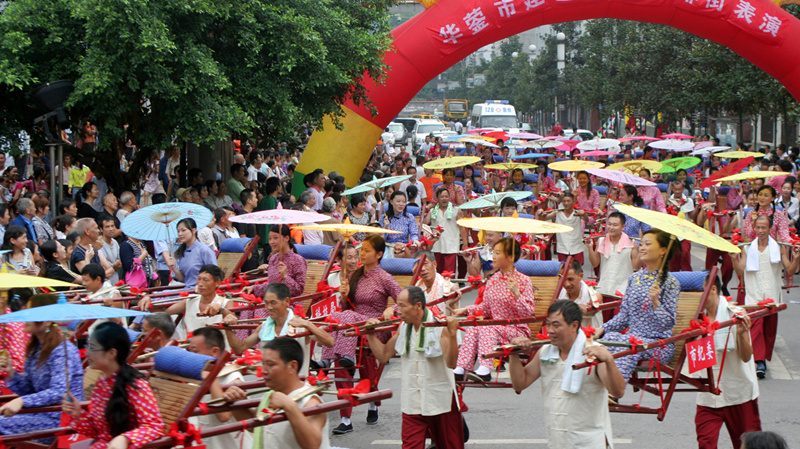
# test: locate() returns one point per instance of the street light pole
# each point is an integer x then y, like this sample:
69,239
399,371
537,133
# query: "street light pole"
560,64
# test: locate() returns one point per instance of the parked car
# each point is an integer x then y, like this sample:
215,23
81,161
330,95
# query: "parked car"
399,132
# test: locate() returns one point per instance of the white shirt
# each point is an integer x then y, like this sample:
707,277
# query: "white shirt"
585,298
227,440
570,242
738,382
252,173
421,193
792,209
428,385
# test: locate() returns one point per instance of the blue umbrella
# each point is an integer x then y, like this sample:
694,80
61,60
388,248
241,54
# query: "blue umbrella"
160,221
64,311
529,156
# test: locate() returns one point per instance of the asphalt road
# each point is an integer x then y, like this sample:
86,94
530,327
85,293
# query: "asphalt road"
499,418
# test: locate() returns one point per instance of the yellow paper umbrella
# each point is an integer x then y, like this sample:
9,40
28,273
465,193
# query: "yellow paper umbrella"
574,165
752,175
347,230
451,162
634,167
678,227
739,154
514,224
509,166
14,280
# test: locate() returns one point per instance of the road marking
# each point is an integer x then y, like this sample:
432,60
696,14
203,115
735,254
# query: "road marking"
783,366
495,442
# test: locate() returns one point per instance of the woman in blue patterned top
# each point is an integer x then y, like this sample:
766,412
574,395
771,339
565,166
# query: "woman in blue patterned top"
397,218
43,381
630,196
650,306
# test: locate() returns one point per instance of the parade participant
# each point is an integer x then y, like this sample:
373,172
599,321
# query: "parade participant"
628,195
414,181
457,195
365,296
616,255
453,236
587,198
760,264
780,224
13,340
481,261
508,295
165,329
42,381
429,402
282,360
469,173
349,262
281,321
575,404
191,255
209,341
568,243
517,184
577,291
544,182
285,266
737,404
123,411
685,208
651,195
434,285
206,301
93,278
763,440
650,306
397,218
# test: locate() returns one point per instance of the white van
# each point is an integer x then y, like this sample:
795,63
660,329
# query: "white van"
494,114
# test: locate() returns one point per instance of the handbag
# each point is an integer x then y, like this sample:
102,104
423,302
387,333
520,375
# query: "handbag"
136,277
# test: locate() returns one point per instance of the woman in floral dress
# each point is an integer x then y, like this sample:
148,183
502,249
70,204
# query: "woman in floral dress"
508,295
650,306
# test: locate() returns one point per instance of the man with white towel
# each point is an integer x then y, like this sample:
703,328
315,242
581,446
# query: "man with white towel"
575,401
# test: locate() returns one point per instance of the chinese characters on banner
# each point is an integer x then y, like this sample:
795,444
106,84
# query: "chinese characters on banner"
323,308
467,25
701,354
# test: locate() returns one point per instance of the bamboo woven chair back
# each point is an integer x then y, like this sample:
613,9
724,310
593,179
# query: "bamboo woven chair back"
173,394
314,271
228,261
90,378
544,290
688,304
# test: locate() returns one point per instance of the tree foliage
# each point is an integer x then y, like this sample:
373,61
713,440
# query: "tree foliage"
190,70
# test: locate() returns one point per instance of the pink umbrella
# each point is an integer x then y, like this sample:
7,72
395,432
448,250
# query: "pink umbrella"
705,144
524,136
595,153
676,136
571,143
628,139
280,216
620,176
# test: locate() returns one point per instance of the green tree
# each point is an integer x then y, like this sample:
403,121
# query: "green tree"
178,71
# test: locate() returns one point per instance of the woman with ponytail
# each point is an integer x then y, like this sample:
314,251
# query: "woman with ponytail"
364,296
42,381
650,306
630,196
122,410
765,206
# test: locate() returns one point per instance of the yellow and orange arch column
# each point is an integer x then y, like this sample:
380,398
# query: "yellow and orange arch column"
449,30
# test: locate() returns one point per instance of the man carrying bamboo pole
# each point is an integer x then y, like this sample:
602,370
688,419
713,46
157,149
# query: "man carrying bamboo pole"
575,402
427,355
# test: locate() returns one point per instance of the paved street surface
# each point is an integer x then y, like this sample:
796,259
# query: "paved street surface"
499,418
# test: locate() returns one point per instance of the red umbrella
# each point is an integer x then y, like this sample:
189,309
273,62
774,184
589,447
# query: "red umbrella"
730,169
501,135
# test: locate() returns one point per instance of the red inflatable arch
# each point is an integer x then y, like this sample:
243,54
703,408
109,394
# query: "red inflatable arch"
450,30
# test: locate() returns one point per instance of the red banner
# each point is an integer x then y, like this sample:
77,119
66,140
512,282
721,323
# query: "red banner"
323,308
701,354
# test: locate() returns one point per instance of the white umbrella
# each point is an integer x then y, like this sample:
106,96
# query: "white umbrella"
479,141
707,150
674,145
598,144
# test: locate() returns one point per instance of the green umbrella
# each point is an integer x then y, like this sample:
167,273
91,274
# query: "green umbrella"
679,163
494,199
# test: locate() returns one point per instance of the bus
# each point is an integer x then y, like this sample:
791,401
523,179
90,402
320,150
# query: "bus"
456,109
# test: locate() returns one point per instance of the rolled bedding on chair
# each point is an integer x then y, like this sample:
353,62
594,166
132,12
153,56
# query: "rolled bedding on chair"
234,245
174,360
